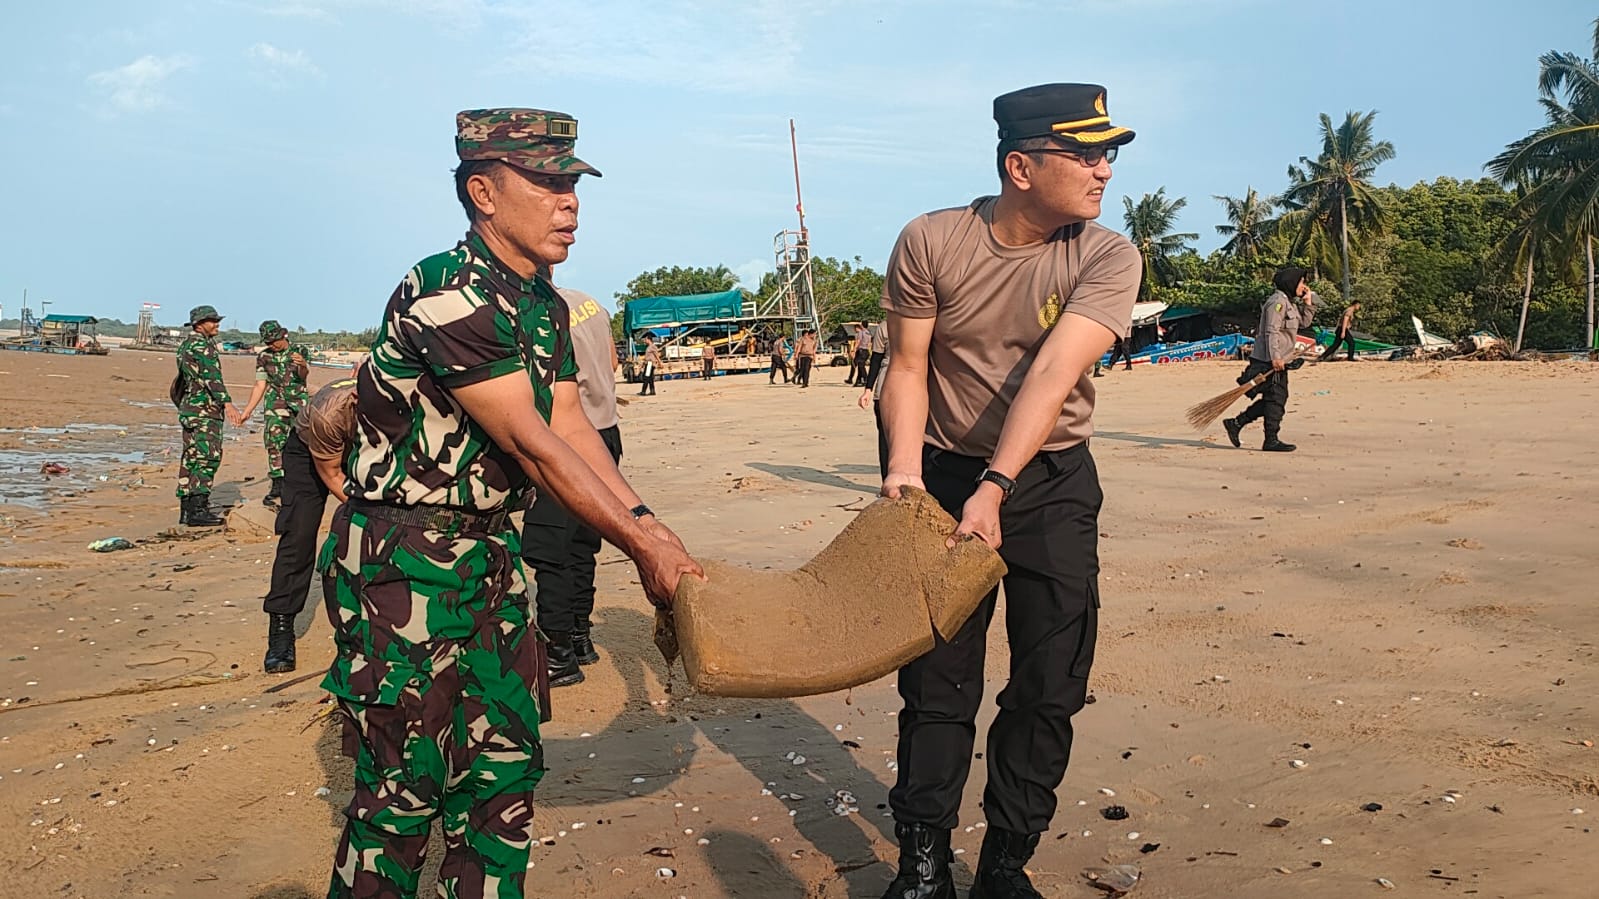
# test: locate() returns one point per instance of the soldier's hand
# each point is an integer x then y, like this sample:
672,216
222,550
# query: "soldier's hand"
297,358
896,480
1278,365
660,566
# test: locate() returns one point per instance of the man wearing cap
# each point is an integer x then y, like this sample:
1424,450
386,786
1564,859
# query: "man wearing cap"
996,313
202,400
280,373
1290,307
467,403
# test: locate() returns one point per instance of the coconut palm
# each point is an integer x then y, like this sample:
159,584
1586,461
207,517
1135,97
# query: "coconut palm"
1334,192
1249,223
1560,161
1149,227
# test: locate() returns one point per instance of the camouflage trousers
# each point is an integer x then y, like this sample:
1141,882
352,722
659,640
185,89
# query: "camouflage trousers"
275,434
435,677
202,454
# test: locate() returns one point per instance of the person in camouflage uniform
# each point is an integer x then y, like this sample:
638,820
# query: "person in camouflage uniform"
467,400
280,373
202,400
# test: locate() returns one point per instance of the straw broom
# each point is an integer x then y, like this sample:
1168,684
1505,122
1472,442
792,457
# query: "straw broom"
1203,415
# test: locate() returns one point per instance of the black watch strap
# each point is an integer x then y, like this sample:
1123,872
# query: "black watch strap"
1005,485
641,510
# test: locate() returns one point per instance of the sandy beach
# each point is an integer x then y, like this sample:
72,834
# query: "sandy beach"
1400,614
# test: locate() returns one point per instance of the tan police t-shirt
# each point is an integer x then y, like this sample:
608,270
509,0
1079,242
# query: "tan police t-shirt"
591,344
995,305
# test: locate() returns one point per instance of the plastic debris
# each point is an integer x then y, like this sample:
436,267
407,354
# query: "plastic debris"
1113,813
110,544
1116,879
53,468
1372,807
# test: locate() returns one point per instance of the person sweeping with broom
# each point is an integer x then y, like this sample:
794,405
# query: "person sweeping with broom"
1287,310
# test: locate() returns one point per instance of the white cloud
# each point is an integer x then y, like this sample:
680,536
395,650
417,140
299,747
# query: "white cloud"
279,64
137,86
749,273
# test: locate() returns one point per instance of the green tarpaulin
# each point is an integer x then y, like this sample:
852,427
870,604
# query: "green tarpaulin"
657,312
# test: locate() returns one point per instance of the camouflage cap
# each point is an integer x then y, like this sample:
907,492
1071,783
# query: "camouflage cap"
536,140
203,314
271,330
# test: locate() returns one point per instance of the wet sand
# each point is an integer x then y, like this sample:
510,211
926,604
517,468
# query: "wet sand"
1405,606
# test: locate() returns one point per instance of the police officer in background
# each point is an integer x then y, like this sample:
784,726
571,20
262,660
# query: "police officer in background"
1288,309
996,313
559,547
313,469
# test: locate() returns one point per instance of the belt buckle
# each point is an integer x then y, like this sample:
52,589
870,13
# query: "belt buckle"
441,521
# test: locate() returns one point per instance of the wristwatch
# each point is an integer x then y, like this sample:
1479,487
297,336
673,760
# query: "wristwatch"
1006,485
641,510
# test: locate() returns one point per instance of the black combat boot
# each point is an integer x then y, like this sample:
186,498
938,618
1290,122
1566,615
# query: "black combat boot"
197,512
274,495
280,644
583,647
1274,445
564,670
1234,428
924,859
1002,866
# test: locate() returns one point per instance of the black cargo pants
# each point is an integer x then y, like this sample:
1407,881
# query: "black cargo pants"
1271,398
1050,531
561,551
299,519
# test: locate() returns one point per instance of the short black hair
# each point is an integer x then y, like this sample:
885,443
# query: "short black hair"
1028,146
487,167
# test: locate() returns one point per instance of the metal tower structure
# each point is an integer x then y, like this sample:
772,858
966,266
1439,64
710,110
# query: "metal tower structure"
796,290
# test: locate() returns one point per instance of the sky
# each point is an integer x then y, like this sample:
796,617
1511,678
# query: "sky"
291,159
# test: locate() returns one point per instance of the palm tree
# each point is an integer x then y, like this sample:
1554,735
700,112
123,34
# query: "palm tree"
1334,192
1249,223
1560,161
1149,226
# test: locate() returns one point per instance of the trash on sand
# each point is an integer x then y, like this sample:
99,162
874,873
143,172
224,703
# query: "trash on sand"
1372,807
53,468
1113,813
110,544
1277,822
1115,879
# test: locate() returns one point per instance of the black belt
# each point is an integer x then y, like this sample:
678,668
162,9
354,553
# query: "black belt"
434,518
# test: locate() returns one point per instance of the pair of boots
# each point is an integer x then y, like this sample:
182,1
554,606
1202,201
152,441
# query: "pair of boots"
280,644
1272,445
275,495
568,653
196,512
924,859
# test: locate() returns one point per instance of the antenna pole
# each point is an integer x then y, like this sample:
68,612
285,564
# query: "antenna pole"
799,202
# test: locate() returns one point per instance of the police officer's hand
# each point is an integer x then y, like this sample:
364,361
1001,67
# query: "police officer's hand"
896,480
660,566
656,529
980,517
1278,365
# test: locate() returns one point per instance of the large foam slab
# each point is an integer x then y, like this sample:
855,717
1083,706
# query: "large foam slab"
866,605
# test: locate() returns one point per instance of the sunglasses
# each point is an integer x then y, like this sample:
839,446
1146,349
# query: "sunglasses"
1088,157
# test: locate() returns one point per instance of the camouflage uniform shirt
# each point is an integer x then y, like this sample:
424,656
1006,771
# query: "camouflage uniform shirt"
200,366
285,393
459,318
